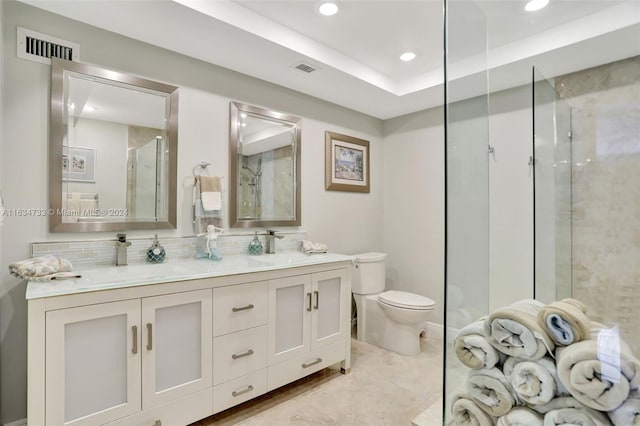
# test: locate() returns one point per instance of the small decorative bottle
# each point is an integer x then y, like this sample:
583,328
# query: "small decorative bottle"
255,246
156,253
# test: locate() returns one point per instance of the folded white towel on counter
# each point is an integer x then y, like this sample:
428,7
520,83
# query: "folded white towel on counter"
311,247
44,268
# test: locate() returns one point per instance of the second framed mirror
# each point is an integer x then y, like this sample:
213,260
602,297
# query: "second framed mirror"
264,188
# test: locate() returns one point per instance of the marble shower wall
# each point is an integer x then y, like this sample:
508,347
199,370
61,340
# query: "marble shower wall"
605,104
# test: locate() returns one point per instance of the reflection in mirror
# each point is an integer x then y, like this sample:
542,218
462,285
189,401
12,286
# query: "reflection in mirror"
113,150
264,167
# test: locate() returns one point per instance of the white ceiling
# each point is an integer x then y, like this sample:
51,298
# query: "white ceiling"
356,51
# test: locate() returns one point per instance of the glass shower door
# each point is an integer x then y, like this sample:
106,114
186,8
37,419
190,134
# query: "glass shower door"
467,181
552,192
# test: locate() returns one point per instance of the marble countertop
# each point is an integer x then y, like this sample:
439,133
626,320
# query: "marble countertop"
112,277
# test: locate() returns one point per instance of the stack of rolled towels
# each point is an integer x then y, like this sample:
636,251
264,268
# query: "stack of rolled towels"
535,364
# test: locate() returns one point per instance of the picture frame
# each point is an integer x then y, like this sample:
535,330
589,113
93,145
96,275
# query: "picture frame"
78,164
346,163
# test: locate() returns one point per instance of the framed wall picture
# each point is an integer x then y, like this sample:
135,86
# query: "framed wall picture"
78,164
346,163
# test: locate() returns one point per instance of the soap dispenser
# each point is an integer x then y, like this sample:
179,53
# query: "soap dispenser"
156,253
255,246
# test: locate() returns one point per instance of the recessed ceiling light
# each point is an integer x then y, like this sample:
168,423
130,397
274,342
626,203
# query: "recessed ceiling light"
328,8
534,5
407,56
90,108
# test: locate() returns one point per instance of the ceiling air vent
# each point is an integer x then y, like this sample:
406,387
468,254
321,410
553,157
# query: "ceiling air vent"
41,47
305,67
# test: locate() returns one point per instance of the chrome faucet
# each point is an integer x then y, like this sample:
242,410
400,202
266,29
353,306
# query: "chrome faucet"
271,241
121,249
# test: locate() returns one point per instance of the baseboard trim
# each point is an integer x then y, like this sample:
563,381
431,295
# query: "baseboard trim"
21,422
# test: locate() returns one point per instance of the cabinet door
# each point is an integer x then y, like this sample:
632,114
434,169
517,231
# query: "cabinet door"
93,363
290,306
177,346
331,308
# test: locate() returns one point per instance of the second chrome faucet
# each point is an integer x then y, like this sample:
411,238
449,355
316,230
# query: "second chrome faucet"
271,241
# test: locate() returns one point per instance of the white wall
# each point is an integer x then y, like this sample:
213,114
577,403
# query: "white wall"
346,222
414,205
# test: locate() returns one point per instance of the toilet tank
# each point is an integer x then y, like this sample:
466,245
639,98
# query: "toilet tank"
369,273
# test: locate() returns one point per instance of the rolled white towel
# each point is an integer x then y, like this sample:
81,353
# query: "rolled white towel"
521,416
566,321
628,413
514,330
601,371
467,413
472,347
566,410
575,416
490,389
535,382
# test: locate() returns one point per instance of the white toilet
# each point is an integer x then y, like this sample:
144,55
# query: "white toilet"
390,319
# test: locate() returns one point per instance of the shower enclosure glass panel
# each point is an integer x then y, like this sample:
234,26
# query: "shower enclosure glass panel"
552,191
467,180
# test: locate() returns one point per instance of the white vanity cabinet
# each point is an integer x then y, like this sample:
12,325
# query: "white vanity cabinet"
93,369
110,360
172,353
309,323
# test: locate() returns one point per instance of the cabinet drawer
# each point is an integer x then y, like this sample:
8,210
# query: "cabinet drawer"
293,369
239,307
182,411
239,353
239,390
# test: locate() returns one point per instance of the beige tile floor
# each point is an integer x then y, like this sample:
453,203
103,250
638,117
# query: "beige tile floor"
382,388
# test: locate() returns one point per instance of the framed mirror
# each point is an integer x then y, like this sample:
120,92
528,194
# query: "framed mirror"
112,150
264,167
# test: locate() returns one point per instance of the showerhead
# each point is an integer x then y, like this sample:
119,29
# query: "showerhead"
254,174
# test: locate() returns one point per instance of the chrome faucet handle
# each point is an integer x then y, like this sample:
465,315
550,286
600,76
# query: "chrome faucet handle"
272,233
121,239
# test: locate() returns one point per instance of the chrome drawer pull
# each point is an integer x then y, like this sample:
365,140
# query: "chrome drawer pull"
247,353
317,361
309,302
149,336
134,331
242,308
248,389
317,295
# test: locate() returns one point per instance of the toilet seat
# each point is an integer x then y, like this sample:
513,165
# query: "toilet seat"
406,300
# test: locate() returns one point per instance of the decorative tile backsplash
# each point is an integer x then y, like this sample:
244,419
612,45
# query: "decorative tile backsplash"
103,252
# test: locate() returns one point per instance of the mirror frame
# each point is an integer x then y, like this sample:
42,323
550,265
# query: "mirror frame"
236,109
57,132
